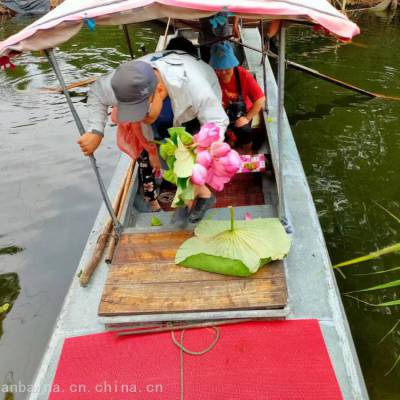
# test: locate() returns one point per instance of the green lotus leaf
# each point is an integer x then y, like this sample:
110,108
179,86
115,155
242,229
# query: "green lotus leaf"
184,161
167,149
170,160
170,176
176,132
184,192
185,137
240,251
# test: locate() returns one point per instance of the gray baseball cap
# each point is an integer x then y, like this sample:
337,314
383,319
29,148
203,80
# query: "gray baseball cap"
133,83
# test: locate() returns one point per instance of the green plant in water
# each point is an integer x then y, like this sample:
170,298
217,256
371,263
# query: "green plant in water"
387,250
395,248
9,291
10,250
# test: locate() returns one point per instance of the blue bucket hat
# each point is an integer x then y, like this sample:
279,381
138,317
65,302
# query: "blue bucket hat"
222,56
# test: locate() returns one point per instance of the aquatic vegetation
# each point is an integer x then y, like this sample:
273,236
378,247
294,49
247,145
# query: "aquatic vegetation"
9,291
10,250
4,308
395,248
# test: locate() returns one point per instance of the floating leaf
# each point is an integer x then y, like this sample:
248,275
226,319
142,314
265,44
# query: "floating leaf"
239,248
184,161
155,221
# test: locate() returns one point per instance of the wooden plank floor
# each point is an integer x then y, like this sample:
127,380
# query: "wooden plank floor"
144,279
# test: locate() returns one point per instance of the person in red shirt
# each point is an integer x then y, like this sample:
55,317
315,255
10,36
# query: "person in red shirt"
242,97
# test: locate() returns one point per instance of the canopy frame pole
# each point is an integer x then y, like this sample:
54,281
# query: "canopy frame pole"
263,55
128,40
53,62
166,34
280,107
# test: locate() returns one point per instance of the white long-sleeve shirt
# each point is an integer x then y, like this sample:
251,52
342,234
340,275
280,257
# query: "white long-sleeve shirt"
192,86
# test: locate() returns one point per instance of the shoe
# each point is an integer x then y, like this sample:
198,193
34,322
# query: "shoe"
200,208
180,217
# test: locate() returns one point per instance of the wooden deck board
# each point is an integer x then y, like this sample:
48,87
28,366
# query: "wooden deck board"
144,279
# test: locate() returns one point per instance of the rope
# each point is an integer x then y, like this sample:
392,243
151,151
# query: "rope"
183,349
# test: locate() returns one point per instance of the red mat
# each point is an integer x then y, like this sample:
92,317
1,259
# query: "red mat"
283,360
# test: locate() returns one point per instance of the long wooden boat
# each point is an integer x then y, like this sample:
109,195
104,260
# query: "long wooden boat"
143,285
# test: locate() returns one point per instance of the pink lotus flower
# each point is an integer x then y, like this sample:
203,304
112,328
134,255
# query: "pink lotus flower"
219,149
218,168
231,162
216,162
204,158
208,134
214,181
199,174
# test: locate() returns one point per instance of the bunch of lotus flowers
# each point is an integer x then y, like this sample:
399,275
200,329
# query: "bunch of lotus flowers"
216,163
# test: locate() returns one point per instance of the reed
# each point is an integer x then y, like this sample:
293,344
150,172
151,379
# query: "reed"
387,285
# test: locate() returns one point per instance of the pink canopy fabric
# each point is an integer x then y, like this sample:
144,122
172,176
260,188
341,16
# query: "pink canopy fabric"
66,20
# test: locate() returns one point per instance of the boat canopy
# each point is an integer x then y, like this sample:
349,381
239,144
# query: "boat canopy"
65,21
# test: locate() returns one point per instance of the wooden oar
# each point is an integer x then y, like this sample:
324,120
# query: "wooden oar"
102,240
112,243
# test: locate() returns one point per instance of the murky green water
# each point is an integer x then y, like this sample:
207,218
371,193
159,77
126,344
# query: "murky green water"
350,147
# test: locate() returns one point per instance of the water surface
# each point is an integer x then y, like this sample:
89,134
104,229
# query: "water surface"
350,149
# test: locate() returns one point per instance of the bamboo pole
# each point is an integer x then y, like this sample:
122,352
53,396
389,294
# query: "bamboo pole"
83,82
112,243
102,240
319,75
166,34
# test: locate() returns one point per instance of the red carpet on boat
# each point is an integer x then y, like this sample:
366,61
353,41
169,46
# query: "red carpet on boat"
279,360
